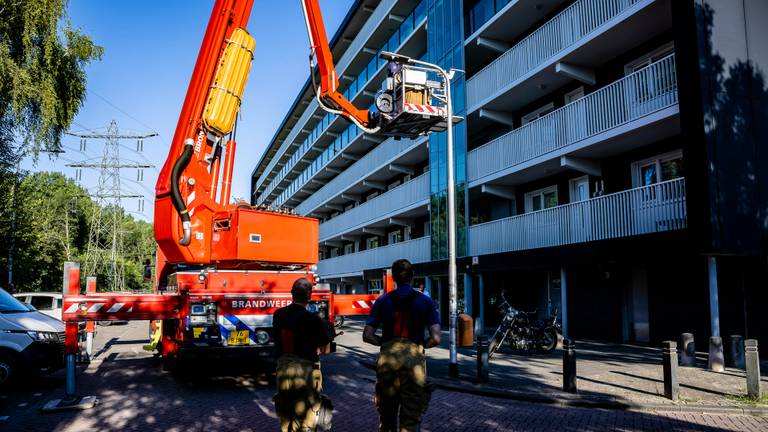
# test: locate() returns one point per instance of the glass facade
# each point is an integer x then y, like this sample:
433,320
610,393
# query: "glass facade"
445,47
482,12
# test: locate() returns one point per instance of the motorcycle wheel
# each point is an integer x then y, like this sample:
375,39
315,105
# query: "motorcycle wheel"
495,343
548,341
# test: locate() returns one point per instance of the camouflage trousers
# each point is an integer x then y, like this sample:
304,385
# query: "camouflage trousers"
401,386
298,401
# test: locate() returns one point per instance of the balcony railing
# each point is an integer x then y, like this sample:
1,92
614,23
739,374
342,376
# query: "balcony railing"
651,209
643,92
389,204
555,36
415,251
372,161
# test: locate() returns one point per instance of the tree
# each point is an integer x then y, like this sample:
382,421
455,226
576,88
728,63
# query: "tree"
42,75
53,216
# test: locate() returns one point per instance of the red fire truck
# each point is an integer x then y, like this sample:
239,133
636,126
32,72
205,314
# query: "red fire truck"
224,268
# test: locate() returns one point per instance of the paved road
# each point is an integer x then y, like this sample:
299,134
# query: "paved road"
137,395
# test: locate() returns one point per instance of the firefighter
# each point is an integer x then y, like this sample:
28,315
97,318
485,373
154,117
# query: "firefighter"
300,337
401,377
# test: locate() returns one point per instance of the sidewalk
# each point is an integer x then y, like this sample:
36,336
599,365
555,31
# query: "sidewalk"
609,375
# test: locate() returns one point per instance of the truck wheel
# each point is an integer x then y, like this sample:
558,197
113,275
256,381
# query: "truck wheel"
9,369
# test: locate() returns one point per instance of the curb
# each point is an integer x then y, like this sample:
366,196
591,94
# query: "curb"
468,387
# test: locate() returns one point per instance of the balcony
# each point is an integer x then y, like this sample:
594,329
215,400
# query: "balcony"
416,251
407,200
373,166
651,209
500,21
589,33
636,110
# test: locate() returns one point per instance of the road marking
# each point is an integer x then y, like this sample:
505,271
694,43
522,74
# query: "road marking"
3,418
38,394
22,405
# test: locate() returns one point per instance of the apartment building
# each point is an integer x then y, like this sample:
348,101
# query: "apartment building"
609,166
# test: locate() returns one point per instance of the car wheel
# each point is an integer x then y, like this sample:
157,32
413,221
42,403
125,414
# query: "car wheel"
105,323
9,369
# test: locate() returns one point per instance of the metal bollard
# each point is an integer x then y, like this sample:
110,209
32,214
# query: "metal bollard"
482,359
716,361
669,362
687,352
569,366
735,357
70,388
753,368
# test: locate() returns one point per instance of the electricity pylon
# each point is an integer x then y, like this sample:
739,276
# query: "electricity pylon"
105,240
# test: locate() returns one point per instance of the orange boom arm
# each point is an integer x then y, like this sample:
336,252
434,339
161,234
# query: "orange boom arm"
194,221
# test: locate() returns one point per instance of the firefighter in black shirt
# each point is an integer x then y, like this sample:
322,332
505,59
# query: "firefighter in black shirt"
300,338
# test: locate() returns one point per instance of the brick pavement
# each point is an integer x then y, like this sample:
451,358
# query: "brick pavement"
620,373
137,395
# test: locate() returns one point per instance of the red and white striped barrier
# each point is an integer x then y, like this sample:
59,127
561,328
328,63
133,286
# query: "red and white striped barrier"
425,109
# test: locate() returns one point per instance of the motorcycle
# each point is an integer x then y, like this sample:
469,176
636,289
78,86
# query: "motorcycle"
521,333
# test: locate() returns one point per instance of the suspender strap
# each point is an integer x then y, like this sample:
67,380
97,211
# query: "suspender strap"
286,340
402,320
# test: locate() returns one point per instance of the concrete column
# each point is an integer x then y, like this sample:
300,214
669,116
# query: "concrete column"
481,305
714,304
428,286
468,295
564,301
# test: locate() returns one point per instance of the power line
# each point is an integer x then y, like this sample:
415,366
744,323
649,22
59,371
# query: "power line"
123,112
105,239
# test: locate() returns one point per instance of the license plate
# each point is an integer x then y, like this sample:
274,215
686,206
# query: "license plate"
239,337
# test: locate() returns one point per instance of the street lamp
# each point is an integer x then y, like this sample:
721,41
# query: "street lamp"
453,367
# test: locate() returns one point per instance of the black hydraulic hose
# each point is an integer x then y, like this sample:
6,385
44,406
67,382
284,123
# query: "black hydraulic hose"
178,202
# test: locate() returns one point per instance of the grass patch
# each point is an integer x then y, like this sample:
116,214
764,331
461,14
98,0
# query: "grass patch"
746,400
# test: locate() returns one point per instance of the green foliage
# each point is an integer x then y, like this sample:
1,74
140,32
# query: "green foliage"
53,217
42,74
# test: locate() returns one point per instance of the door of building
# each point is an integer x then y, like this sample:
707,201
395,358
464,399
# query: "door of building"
581,211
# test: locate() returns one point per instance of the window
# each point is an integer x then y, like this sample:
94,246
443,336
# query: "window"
541,112
371,242
649,58
42,303
574,95
407,233
541,199
394,237
334,252
658,169
349,248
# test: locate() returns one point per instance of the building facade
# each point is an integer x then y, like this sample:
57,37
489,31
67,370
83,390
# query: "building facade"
609,165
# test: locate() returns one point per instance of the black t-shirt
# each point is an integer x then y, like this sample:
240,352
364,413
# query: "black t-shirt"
306,330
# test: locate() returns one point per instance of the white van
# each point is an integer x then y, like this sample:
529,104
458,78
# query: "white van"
30,341
48,303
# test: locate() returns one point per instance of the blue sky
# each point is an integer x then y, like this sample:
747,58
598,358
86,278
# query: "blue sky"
150,50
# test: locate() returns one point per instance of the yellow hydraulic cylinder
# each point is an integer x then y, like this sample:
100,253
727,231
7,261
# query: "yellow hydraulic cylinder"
228,84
